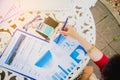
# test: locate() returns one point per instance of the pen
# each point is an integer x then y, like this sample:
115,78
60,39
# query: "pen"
62,29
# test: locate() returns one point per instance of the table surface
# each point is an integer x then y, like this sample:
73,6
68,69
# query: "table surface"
80,17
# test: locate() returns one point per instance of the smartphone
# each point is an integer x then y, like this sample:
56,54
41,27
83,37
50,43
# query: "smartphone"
47,28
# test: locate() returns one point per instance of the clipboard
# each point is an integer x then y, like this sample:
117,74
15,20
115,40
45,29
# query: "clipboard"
36,58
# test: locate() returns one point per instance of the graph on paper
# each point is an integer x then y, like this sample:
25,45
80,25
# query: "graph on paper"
39,59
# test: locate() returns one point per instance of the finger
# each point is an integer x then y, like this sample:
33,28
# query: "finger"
65,29
63,32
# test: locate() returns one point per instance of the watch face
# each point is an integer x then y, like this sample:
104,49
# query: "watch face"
4,39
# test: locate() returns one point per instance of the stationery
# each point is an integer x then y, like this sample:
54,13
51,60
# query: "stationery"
62,29
36,58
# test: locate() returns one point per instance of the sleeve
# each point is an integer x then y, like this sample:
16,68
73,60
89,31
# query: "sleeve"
100,63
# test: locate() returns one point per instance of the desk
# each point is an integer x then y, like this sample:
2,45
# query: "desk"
80,17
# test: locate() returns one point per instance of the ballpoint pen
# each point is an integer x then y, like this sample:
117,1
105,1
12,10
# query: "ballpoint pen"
62,29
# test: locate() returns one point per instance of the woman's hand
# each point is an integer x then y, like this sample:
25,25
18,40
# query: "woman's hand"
69,31
87,73
94,53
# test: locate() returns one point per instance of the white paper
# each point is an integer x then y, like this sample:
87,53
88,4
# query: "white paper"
39,59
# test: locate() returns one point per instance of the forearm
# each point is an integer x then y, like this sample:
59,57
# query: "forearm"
88,70
84,78
96,54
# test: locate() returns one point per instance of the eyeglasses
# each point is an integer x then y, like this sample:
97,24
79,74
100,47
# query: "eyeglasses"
27,25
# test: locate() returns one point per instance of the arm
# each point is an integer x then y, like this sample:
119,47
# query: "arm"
87,72
95,54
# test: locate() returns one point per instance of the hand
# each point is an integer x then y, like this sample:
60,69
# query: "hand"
95,55
69,31
87,73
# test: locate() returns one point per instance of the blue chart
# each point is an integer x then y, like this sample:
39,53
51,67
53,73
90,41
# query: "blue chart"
76,55
62,70
62,38
44,60
63,73
79,51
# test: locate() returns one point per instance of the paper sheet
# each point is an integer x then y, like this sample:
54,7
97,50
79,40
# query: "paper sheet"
38,59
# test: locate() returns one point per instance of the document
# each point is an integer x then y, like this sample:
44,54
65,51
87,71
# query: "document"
38,59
